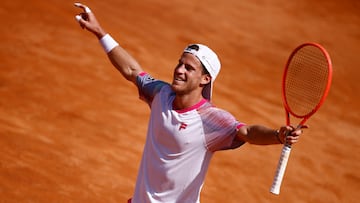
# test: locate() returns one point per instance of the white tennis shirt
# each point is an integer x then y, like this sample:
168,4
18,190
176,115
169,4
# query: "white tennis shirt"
179,145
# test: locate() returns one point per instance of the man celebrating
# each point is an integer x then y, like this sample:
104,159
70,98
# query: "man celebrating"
185,129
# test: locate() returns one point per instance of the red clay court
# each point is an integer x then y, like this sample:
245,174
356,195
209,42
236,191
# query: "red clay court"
72,129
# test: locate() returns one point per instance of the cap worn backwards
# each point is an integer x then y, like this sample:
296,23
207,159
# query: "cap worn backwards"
210,61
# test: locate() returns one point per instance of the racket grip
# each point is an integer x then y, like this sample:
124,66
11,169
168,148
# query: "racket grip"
280,171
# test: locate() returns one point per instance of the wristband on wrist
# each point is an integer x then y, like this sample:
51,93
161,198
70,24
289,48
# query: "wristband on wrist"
277,136
108,43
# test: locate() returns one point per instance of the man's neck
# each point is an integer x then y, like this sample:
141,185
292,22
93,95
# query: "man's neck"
185,101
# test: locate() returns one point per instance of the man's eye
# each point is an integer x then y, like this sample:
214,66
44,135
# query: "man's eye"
187,67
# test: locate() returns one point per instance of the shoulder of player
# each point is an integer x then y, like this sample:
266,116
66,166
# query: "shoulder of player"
213,111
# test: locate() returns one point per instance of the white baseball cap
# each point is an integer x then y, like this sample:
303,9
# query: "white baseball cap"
210,61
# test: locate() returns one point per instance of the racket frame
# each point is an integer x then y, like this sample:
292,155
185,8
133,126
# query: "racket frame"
286,150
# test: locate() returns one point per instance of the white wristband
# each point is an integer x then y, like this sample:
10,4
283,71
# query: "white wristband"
108,43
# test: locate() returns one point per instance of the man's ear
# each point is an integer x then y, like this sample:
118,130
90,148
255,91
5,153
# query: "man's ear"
206,79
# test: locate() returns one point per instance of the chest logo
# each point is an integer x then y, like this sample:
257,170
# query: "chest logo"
182,126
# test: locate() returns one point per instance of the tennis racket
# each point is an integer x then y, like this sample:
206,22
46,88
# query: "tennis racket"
305,85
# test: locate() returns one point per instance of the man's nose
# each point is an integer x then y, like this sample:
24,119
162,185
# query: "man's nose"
180,68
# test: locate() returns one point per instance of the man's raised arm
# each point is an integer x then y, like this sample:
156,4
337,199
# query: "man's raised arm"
118,56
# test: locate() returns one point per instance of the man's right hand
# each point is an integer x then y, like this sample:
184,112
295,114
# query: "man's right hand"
88,21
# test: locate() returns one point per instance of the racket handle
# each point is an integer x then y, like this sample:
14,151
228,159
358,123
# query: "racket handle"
280,171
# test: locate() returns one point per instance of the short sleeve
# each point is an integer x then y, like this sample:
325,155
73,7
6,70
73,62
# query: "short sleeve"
220,128
148,87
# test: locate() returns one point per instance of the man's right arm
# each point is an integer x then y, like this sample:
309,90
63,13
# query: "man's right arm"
125,63
118,56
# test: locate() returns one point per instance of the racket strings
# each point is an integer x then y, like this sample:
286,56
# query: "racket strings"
306,80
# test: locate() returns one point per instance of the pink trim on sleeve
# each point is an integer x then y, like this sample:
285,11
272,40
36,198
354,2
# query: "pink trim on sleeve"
240,125
142,73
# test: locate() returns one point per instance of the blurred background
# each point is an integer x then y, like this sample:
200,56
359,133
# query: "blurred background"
72,129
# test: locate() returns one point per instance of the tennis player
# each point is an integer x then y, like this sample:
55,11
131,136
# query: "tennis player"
185,129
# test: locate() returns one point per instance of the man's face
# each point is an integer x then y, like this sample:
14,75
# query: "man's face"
188,75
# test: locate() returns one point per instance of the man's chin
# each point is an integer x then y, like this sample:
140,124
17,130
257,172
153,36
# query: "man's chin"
176,87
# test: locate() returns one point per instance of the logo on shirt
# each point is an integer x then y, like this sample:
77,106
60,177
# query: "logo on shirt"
182,126
149,78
